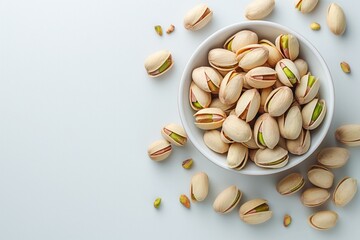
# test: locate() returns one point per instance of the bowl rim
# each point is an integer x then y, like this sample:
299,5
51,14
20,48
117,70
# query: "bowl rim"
242,26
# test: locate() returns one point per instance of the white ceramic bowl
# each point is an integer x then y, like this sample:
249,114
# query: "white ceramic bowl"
269,31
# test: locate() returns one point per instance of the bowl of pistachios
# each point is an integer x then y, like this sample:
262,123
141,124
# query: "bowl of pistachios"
256,98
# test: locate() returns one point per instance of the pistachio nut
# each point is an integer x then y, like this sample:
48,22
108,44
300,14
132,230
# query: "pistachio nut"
158,63
287,220
230,88
287,72
336,19
305,6
301,66
225,138
274,54
184,200
187,164
212,140
271,158
288,45
307,89
290,123
222,59
252,56
345,67
157,202
315,26
237,129
227,200
237,156
320,176
264,93
323,220
159,150
199,187
345,191
241,39
197,17
313,113
259,9
266,131
175,134
248,105
290,184
261,77
209,118
314,197
300,145
279,101
198,98
216,103
255,211
348,134
207,78
333,157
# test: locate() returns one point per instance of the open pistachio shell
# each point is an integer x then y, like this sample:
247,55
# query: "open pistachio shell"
198,98
175,134
237,156
216,103
259,9
222,59
314,197
333,157
279,101
197,17
305,6
348,134
336,19
241,39
323,220
248,105
261,77
274,54
313,113
307,89
159,150
199,187
290,123
266,131
290,184
255,211
252,56
271,158
158,63
207,78
320,176
212,140
287,72
209,118
230,88
345,191
301,66
237,129
288,45
300,145
227,200
264,93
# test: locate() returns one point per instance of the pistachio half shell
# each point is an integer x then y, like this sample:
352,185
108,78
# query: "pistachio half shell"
301,66
158,63
314,197
207,78
175,134
259,9
290,123
209,118
237,156
307,89
290,184
333,157
227,200
199,187
255,211
197,17
230,88
241,39
274,54
252,56
159,150
198,98
345,191
266,132
336,19
261,77
323,220
248,105
237,129
349,134
306,6
271,158
313,113
300,145
320,176
222,59
288,45
287,72
279,101
212,140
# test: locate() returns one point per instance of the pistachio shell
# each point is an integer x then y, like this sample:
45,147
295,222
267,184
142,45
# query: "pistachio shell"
266,131
323,220
207,78
306,6
312,118
301,66
241,39
264,93
333,157
197,17
271,158
175,134
209,118
290,184
227,200
248,105
252,56
307,89
237,156
274,54
212,140
261,77
255,211
159,150
259,9
349,134
336,19
222,59
320,176
230,88
199,187
290,123
300,145
198,98
216,103
314,197
345,191
291,51
237,129
279,101
286,66
158,63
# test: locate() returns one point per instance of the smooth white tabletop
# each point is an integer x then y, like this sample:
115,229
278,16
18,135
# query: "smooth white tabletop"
78,113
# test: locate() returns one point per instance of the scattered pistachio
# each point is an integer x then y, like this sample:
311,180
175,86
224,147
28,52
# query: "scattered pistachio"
315,26
345,67
157,202
184,200
187,164
158,30
170,29
287,220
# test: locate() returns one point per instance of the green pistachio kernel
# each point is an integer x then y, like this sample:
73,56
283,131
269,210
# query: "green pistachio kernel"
177,138
284,41
290,75
165,65
262,208
311,81
317,111
197,105
229,45
261,139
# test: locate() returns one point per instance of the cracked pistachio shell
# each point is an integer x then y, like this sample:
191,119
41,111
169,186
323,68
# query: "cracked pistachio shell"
348,134
320,176
261,77
197,17
274,54
209,118
199,187
248,105
225,138
314,197
271,158
345,191
255,211
230,88
323,220
159,150
290,184
333,157
241,39
264,93
158,63
212,140
259,9
287,72
305,6
290,123
237,129
266,131
279,101
207,78
222,59
216,103
288,45
336,19
175,134
227,200
301,66
237,156
252,56
307,89
300,145
313,113
198,98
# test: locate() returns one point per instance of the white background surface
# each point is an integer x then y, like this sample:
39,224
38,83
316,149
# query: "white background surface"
78,112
